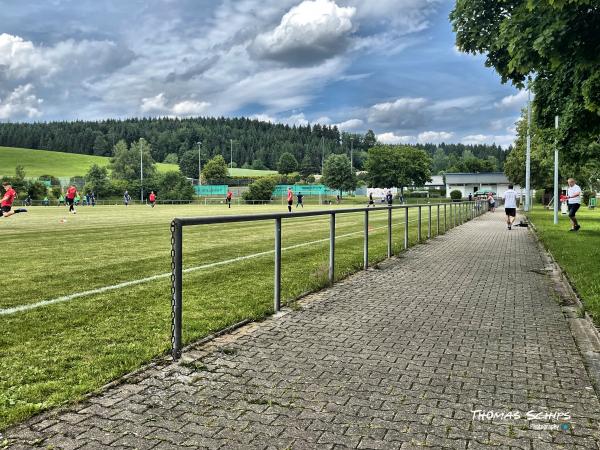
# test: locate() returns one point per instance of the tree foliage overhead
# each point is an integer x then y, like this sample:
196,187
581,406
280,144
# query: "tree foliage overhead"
555,42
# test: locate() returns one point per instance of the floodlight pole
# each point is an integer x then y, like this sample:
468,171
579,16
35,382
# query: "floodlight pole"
231,153
322,154
199,143
351,154
141,173
556,172
528,157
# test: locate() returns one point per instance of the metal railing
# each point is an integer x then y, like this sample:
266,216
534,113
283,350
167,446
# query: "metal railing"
454,214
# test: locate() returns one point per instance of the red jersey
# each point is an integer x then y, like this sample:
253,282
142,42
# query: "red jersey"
9,196
229,195
152,197
71,192
290,196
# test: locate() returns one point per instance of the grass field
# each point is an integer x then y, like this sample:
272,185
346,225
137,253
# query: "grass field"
577,253
58,164
57,353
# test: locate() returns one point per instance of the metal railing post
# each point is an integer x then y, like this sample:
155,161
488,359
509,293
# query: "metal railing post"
405,227
176,283
438,220
429,224
389,234
419,224
460,205
277,284
445,221
366,242
331,248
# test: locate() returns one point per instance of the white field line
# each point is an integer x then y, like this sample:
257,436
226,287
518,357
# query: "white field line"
67,298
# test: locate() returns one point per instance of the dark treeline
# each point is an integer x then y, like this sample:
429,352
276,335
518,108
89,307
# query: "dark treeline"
256,144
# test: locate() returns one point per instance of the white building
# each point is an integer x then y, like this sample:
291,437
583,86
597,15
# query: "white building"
469,183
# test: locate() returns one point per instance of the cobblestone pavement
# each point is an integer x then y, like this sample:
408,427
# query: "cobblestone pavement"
395,357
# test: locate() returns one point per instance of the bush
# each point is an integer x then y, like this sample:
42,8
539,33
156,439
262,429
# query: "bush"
587,195
456,195
52,179
310,179
539,196
37,190
261,189
171,158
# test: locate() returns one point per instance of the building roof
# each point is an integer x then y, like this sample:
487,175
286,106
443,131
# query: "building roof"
436,180
474,178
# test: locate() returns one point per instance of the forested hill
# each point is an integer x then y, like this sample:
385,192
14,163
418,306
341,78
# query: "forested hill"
255,144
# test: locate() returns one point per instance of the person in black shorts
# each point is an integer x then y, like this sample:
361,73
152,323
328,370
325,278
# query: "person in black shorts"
7,201
299,198
574,202
371,201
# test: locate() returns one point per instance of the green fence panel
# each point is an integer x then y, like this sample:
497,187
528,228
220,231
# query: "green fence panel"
207,190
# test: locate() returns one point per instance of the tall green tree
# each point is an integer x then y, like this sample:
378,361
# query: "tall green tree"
125,164
97,181
338,175
554,42
398,166
287,163
215,170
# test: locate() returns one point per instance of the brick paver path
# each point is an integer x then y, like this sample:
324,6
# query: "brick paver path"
392,358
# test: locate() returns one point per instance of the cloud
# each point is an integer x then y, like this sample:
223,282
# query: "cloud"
154,104
158,105
189,108
477,139
434,137
391,138
351,125
402,113
517,100
308,34
20,103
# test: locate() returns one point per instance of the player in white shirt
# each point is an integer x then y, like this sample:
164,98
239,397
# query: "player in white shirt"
574,202
510,205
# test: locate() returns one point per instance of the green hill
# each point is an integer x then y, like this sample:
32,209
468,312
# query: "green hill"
66,165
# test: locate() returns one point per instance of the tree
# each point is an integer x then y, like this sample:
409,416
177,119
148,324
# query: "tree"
440,161
96,180
188,164
215,170
555,42
287,163
338,175
307,168
258,164
261,189
101,146
398,166
172,185
171,158
370,140
125,164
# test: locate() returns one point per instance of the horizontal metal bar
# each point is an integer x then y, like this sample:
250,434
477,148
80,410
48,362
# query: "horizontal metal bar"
186,221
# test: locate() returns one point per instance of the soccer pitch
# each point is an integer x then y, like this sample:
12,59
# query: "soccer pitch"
54,353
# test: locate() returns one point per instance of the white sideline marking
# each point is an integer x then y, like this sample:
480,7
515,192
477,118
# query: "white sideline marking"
67,298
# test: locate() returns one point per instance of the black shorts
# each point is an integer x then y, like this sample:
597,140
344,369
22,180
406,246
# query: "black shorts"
5,209
511,212
290,202
70,201
573,207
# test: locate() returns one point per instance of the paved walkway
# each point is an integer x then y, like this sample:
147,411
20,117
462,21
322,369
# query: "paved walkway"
390,358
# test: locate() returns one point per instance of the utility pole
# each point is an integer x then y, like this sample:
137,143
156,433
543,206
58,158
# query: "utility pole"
199,143
556,172
528,157
351,154
231,153
322,154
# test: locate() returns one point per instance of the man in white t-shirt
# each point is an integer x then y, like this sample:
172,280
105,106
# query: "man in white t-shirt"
510,205
574,202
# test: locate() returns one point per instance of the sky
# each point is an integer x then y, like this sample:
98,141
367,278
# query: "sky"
386,65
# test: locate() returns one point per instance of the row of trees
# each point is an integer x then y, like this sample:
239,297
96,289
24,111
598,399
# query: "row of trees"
553,47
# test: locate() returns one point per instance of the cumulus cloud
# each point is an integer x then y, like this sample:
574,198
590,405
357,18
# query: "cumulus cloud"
189,108
158,105
517,100
20,103
309,33
351,125
391,138
502,140
402,113
434,137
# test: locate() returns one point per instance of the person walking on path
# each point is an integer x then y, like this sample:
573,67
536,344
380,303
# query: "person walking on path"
491,202
70,198
573,202
299,198
290,199
510,205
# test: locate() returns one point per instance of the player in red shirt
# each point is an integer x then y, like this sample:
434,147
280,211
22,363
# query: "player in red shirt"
70,198
7,200
152,198
290,199
228,198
